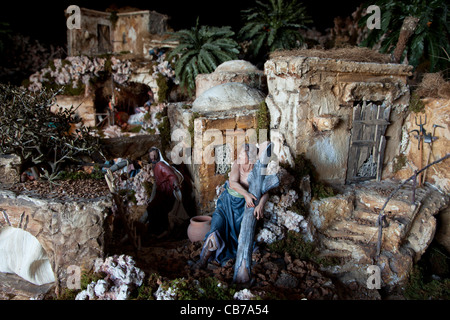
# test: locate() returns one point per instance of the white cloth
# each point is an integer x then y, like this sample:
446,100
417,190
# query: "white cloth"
22,254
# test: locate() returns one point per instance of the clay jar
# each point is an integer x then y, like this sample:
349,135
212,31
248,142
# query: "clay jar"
198,228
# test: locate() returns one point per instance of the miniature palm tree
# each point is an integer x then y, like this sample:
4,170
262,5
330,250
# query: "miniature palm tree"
272,25
427,38
201,49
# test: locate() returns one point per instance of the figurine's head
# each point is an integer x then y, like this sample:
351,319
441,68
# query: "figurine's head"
154,155
247,154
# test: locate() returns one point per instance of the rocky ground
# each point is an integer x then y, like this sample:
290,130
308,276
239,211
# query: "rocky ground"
63,189
275,276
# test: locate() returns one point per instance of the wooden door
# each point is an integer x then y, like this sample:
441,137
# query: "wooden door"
104,39
367,142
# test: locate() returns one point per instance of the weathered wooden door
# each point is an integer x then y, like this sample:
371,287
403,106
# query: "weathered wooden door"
367,142
104,38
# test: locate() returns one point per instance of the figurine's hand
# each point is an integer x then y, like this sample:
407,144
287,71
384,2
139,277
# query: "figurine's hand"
258,212
249,200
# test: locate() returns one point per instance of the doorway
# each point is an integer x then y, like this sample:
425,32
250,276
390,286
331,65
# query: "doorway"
104,39
367,142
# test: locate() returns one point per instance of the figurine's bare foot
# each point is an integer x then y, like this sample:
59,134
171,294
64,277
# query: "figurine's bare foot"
203,261
242,276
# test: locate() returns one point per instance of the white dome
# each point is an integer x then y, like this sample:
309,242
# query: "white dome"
228,96
236,66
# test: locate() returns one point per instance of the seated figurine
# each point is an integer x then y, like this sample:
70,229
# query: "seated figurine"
221,243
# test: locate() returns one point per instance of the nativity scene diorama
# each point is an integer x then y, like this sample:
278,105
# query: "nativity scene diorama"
145,166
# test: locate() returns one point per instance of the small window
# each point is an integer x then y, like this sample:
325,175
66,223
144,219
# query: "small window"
222,159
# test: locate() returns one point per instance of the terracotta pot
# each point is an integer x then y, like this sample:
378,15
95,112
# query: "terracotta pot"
198,228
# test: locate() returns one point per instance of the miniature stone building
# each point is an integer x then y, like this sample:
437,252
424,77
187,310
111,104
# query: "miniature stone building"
342,115
115,32
206,134
210,133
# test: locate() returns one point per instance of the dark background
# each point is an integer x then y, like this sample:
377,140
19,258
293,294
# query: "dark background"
45,20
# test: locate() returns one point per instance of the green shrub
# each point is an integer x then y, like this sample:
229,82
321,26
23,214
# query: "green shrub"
201,49
273,24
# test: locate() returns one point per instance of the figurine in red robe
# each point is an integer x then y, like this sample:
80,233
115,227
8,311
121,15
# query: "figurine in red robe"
166,194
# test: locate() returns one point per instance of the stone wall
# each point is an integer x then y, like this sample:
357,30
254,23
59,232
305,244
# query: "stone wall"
9,169
84,105
84,41
311,103
71,233
437,112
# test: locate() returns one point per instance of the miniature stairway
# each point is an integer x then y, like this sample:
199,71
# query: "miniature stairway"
354,236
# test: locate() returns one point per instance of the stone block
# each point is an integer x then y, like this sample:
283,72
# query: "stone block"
9,169
64,229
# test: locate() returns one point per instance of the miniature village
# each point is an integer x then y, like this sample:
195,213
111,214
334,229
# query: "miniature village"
352,134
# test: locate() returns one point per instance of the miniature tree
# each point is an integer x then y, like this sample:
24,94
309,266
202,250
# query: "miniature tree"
38,135
201,49
418,30
274,24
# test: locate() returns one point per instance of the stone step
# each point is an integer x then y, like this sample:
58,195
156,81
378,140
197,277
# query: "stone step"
353,227
340,254
365,217
357,238
342,247
369,200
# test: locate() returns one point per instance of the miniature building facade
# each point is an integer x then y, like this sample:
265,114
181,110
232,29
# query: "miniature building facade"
344,116
111,32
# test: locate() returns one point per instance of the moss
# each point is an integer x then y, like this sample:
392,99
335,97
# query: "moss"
88,276
113,17
320,190
129,195
135,129
108,65
74,90
298,248
68,294
51,65
163,88
399,163
262,117
420,289
304,167
148,186
164,132
416,105
145,292
194,116
203,289
81,175
147,117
